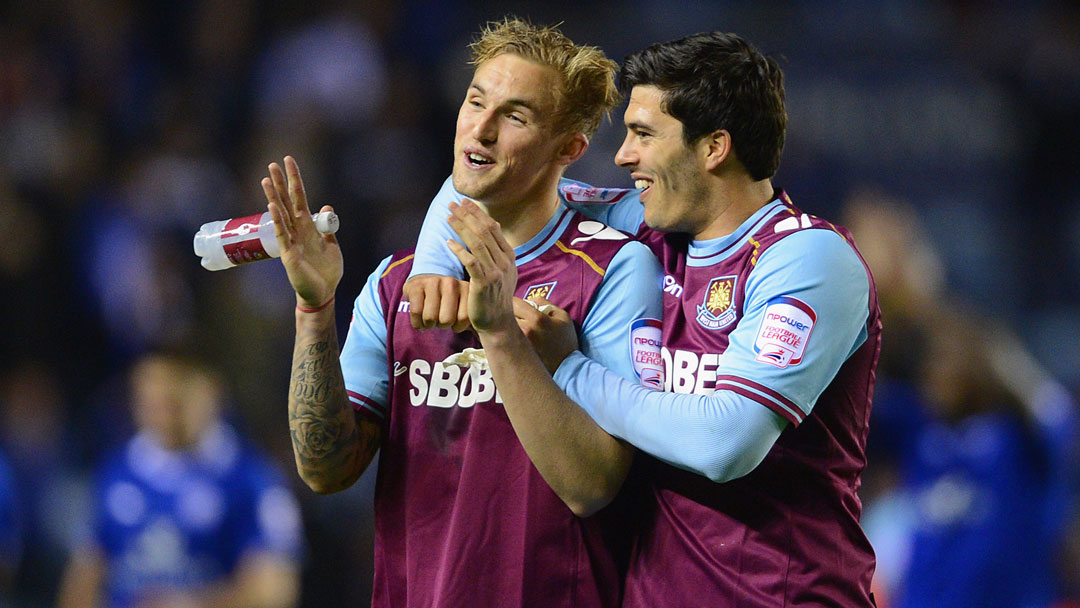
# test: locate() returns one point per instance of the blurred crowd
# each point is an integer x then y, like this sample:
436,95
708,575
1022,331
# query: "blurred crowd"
945,134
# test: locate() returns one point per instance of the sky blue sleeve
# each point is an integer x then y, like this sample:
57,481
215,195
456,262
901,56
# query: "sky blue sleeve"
363,358
831,287
432,254
629,296
626,213
724,435
434,257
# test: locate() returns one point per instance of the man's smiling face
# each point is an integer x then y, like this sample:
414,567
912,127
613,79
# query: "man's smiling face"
505,146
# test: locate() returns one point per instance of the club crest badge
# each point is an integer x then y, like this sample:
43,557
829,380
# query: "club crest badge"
542,290
717,308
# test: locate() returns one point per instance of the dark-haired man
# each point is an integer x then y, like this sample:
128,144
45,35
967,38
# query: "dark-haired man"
771,332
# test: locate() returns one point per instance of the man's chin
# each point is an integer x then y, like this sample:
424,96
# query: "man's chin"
658,223
469,188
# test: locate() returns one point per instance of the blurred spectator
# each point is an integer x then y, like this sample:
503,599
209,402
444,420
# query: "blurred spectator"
46,465
186,513
990,474
976,444
10,532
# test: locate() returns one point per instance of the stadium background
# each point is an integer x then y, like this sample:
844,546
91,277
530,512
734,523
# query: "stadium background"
125,125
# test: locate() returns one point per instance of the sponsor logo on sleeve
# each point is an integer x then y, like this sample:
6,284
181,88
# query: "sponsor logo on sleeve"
581,194
542,290
785,329
645,336
717,308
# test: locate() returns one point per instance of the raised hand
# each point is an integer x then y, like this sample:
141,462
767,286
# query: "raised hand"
312,260
490,263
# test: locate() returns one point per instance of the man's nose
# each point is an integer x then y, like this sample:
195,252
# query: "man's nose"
486,128
626,156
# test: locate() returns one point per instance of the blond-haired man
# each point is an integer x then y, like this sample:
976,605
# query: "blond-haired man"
479,488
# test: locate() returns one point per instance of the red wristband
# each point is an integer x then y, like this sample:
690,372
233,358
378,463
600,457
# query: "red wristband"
328,303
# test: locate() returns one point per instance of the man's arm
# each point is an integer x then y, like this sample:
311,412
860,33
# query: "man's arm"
435,288
331,444
726,434
584,465
619,208
332,447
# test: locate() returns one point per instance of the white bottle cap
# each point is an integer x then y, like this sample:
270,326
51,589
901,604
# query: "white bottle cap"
326,222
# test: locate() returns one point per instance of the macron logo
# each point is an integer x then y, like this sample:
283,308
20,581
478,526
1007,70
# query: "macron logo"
672,287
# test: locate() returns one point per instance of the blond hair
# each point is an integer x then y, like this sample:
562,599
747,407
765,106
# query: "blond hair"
588,91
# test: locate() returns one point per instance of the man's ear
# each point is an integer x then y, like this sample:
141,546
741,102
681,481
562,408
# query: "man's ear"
717,148
572,149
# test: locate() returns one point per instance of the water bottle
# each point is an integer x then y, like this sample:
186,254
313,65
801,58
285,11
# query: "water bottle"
227,243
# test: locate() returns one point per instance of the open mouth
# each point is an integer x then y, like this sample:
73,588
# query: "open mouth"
477,160
642,184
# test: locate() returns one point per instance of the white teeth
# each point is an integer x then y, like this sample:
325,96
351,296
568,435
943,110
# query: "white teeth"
476,158
641,184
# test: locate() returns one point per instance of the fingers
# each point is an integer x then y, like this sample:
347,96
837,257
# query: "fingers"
526,311
545,307
282,227
281,190
537,314
429,312
463,309
467,259
296,188
471,234
481,234
329,238
449,303
413,291
436,301
288,189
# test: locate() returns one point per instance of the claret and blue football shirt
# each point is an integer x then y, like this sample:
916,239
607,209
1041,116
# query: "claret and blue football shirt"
770,339
462,517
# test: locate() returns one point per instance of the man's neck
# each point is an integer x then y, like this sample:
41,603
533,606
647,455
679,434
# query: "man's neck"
523,220
734,203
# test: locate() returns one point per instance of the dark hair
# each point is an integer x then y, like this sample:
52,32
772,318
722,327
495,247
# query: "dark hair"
717,80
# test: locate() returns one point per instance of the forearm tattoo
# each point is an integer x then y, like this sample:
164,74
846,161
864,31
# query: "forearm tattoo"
331,446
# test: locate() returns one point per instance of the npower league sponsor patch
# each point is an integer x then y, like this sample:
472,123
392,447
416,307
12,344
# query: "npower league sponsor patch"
785,329
645,352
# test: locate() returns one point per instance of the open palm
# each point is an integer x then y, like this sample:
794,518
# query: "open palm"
312,260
